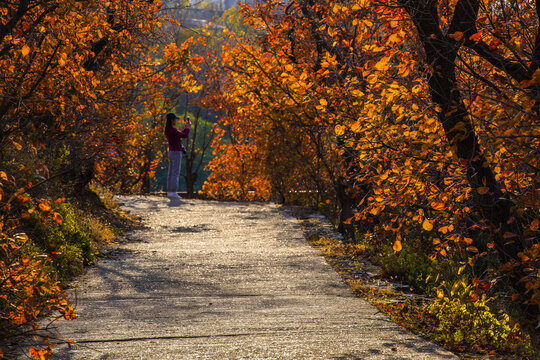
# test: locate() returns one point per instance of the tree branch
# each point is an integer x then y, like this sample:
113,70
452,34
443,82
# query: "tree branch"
464,19
514,69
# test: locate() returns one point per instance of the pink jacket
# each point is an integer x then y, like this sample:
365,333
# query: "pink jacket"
174,137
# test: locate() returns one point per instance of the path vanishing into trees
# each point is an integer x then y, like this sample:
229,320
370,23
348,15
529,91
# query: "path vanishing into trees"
218,280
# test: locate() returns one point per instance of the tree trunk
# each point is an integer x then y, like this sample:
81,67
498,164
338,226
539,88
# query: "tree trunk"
191,178
346,215
489,201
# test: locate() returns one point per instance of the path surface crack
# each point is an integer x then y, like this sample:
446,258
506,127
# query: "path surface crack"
177,337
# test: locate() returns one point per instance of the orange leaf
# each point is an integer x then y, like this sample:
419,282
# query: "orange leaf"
482,190
397,245
456,36
34,353
25,50
23,199
45,207
25,260
427,225
437,205
476,37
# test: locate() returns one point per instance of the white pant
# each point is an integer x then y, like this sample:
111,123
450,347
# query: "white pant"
175,160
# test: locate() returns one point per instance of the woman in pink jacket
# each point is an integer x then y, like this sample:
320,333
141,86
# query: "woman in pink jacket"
174,137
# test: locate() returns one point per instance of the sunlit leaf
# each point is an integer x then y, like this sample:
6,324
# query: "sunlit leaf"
427,225
397,245
25,50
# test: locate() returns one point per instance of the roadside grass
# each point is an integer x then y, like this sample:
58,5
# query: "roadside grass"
39,257
439,303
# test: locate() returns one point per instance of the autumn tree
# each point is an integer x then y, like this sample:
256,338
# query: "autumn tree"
288,93
420,117
472,61
189,83
80,101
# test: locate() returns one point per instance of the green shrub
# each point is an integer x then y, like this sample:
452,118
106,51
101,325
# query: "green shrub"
69,244
413,267
465,321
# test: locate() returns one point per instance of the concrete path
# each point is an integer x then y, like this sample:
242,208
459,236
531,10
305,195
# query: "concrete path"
213,280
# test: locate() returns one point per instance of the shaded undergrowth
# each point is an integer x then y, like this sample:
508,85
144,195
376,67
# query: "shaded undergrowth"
436,299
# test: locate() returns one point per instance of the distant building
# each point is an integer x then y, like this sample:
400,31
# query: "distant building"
227,4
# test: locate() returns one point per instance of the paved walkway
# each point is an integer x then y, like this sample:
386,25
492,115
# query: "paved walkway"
213,280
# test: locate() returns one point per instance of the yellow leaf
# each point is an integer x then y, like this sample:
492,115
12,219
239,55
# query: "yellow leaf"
383,64
25,50
394,38
372,79
323,102
397,245
427,225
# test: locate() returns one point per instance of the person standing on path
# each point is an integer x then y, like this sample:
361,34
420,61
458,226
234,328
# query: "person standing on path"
176,149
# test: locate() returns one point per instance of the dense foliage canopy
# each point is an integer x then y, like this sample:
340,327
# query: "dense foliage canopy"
415,119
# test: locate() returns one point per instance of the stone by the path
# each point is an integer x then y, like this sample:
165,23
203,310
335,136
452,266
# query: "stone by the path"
215,280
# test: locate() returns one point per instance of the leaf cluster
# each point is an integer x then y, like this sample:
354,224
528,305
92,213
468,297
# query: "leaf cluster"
410,120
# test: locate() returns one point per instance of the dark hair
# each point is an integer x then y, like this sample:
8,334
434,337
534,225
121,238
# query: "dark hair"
168,124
